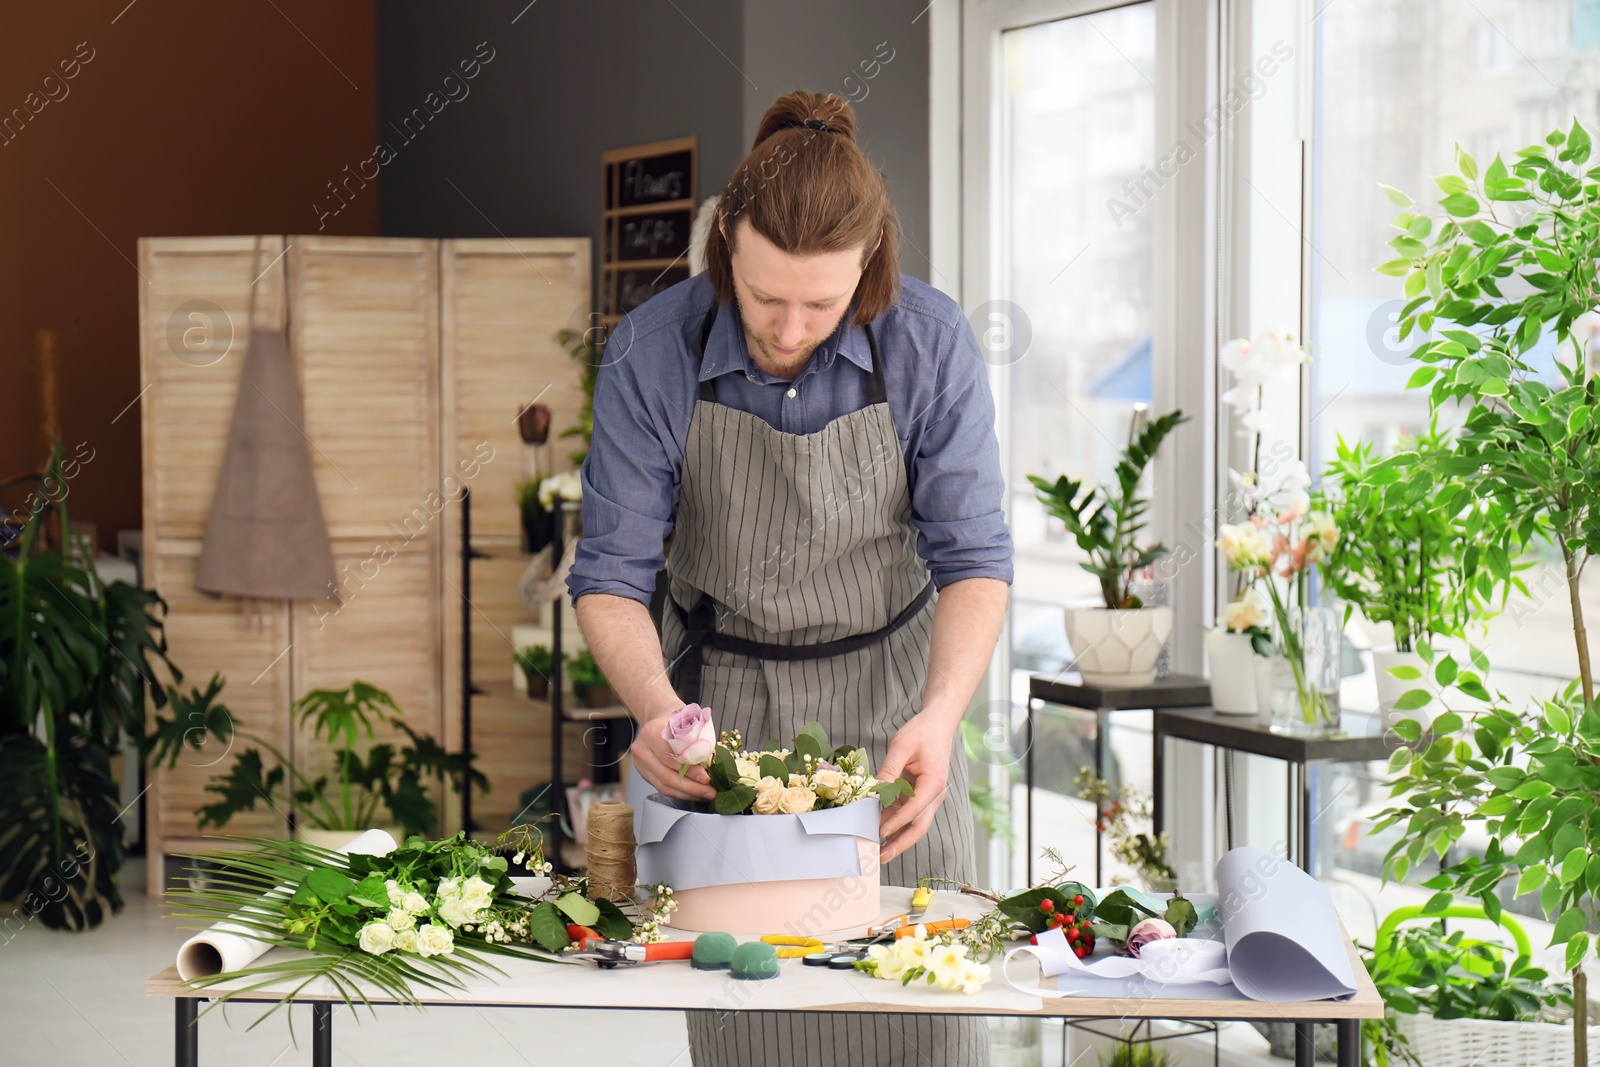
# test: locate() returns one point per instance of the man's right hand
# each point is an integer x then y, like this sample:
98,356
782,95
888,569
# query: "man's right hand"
655,763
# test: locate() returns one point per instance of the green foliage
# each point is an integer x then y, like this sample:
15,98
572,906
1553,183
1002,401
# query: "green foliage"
1425,970
75,657
535,659
581,347
388,777
1107,525
736,796
583,670
1411,546
528,502
1137,1054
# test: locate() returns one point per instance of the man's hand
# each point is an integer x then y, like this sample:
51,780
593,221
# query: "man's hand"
655,763
920,752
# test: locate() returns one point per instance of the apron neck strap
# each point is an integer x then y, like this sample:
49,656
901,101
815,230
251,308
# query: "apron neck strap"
877,391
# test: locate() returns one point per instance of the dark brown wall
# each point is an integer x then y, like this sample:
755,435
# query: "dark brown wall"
191,117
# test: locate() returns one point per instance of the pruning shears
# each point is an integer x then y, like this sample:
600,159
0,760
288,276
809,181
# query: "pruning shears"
905,925
609,953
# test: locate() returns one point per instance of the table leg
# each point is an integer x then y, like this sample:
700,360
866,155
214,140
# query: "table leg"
1158,768
1027,779
1305,1045
186,1035
321,1033
1349,1042
1307,860
1099,772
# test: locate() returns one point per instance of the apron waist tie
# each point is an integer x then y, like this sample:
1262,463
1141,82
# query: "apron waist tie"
700,632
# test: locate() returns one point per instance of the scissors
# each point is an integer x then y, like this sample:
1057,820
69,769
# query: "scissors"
906,925
608,953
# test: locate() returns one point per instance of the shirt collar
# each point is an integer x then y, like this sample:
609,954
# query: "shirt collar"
726,350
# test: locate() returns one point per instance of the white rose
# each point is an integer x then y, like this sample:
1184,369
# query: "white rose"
414,902
769,798
476,894
377,938
796,799
395,892
749,770
454,911
435,940
448,887
828,783
400,919
406,940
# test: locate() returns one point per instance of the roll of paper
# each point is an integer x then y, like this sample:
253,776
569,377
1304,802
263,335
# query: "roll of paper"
228,946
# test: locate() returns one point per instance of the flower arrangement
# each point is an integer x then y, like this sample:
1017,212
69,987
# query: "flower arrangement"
812,775
1248,615
426,914
1278,547
917,957
1115,813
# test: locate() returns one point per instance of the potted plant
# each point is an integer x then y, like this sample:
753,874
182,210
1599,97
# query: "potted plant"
538,521
536,663
332,809
1405,557
75,656
588,681
1119,643
1448,998
1511,260
1239,645
1279,549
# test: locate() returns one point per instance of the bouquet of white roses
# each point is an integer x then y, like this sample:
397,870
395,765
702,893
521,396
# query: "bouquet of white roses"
811,775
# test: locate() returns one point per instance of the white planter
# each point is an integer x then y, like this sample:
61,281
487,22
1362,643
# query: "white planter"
1231,665
1390,688
1116,647
336,840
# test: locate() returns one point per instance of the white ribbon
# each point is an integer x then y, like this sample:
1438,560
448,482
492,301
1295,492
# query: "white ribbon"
1171,961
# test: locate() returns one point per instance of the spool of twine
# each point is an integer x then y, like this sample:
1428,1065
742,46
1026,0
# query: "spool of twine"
610,850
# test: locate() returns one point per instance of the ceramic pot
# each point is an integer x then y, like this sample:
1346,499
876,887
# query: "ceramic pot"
598,696
1118,647
1390,688
336,839
538,685
1231,662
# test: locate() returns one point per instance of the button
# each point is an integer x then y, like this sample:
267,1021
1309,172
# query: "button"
791,394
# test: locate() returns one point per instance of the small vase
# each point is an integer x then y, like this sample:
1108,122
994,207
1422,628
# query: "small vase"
1305,688
1231,662
1391,689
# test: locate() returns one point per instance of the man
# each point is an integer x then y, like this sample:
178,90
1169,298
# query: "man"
815,434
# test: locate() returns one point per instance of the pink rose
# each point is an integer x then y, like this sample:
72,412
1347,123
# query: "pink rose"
690,735
1147,931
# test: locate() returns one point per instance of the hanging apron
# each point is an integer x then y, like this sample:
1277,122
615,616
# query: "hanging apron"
795,595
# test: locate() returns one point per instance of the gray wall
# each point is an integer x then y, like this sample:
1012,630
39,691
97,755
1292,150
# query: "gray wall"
519,154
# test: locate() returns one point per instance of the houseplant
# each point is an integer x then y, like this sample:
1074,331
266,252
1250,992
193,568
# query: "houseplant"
1239,645
1511,260
349,800
75,655
1279,549
1119,643
1405,557
1447,995
588,681
538,521
536,663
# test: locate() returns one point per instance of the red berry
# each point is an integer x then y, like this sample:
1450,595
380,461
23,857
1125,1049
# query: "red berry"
1073,934
1078,898
1033,940
1049,905
1080,952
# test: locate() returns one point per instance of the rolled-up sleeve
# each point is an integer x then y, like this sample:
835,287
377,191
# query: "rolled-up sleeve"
958,490
630,482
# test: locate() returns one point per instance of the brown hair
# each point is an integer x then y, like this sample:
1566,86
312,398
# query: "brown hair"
810,190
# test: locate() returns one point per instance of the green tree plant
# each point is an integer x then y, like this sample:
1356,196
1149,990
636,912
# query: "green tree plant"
1509,262
1107,525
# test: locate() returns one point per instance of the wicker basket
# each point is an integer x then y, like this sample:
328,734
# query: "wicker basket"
1486,1042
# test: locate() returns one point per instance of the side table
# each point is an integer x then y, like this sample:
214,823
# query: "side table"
1069,690
1244,733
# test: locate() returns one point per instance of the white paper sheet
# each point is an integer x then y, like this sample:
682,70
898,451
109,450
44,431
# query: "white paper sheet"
1279,941
227,946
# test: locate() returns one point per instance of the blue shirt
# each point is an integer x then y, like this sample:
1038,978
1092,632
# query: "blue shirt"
645,394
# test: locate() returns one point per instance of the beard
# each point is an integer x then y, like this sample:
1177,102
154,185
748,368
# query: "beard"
785,365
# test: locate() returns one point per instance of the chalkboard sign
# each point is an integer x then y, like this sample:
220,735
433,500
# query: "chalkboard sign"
647,214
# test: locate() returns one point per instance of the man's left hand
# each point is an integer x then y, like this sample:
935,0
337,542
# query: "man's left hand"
919,752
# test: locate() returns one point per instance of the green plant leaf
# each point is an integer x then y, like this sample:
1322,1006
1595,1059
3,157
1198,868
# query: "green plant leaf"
1577,948
329,884
734,801
1572,921
1530,879
1573,865
547,927
578,908
1395,195
774,767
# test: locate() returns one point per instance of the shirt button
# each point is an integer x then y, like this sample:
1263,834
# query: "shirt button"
791,394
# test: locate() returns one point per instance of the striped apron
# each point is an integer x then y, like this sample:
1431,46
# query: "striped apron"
795,596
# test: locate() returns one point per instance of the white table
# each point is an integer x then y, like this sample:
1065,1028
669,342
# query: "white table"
674,986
